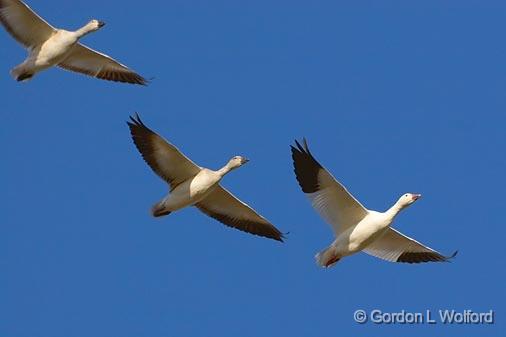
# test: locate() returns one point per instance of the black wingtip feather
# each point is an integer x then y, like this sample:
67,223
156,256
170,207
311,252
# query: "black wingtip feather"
144,82
451,257
136,120
299,147
418,257
306,147
306,167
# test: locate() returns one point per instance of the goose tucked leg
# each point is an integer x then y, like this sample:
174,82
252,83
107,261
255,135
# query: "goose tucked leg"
22,72
160,209
24,77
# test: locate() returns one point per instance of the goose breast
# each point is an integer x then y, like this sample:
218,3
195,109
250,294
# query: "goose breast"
56,49
192,190
366,231
201,185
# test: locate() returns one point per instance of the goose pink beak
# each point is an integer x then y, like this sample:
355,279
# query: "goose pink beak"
415,197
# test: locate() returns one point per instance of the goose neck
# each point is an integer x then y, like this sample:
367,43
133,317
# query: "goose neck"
225,169
394,210
85,30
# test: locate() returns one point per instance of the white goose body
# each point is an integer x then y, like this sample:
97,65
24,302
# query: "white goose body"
50,53
48,46
191,191
356,238
355,227
192,185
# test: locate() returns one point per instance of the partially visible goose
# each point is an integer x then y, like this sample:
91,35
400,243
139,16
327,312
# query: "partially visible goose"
192,185
356,228
48,46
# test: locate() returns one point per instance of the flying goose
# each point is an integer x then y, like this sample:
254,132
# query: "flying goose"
192,185
355,227
48,46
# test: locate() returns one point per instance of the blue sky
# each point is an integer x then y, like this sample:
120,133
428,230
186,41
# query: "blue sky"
393,97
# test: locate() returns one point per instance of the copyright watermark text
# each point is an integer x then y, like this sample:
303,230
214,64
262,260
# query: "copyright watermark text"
445,316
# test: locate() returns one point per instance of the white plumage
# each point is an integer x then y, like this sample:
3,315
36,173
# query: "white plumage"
192,185
355,227
48,47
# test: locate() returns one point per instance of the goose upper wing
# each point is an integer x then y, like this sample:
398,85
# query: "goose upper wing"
221,205
92,63
397,247
23,23
163,158
328,197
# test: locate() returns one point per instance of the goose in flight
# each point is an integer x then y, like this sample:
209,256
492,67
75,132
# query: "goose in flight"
192,185
48,46
355,227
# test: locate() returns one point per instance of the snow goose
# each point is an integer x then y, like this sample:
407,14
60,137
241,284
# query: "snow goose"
48,46
356,228
192,185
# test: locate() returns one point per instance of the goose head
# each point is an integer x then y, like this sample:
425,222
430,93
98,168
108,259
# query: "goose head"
407,199
95,25
236,162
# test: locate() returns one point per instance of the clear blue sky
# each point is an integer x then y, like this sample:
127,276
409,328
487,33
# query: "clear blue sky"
393,97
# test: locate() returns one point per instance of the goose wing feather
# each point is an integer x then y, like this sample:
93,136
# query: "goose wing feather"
328,197
164,158
90,62
223,206
394,246
24,24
